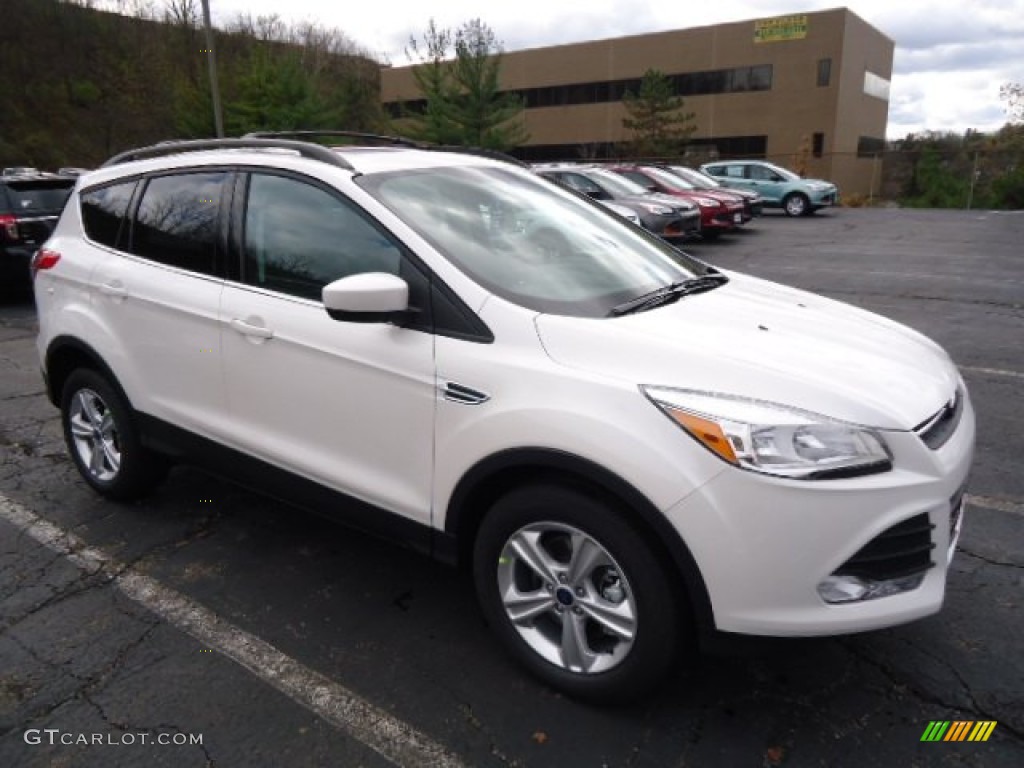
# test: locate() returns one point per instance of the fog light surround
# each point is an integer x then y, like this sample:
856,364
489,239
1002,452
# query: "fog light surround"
839,589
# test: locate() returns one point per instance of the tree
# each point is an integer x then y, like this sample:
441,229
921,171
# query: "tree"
1013,95
463,100
658,123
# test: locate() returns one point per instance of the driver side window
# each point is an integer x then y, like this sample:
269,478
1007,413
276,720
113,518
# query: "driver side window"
299,237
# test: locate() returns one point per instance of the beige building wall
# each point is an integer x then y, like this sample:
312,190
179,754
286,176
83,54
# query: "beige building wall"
789,114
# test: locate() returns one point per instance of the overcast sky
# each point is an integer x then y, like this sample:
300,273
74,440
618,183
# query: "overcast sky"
951,55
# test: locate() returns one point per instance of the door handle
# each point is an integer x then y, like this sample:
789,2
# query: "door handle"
114,288
248,329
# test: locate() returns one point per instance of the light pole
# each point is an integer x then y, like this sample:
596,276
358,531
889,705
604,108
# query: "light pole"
218,118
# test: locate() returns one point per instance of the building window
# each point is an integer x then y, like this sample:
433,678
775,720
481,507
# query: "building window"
737,80
818,144
868,146
824,72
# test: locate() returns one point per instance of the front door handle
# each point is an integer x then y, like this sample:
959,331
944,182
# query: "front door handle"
248,329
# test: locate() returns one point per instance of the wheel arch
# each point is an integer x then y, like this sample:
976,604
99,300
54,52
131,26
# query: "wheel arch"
491,477
67,354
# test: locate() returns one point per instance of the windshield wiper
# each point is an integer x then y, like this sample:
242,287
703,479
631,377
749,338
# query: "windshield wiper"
669,293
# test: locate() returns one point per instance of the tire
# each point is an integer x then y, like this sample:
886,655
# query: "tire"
796,204
527,549
103,440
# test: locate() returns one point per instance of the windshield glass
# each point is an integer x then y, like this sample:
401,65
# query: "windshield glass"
785,173
670,180
695,177
529,241
35,197
618,185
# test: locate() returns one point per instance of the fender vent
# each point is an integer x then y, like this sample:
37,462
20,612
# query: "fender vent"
456,393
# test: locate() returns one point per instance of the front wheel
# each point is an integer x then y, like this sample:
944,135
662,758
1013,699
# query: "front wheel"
796,204
102,438
575,593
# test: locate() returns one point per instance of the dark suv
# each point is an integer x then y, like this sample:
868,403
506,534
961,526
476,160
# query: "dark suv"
29,206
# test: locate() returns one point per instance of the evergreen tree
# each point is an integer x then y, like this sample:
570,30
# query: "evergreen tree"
659,126
458,78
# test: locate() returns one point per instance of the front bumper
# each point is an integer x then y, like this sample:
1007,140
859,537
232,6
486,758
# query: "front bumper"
764,544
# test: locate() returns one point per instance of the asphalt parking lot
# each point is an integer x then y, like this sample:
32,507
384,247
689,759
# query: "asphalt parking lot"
281,639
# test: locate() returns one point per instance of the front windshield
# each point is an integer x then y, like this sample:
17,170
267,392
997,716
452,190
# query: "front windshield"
528,240
785,173
618,185
670,180
696,177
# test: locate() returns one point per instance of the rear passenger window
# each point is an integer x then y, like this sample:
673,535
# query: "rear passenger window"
177,220
299,238
103,212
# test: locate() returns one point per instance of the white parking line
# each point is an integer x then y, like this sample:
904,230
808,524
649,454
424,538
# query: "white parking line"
993,371
393,739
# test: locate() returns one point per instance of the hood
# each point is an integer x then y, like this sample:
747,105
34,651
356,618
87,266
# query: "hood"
656,198
752,338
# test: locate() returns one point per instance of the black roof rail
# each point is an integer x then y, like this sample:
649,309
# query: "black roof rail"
303,148
400,141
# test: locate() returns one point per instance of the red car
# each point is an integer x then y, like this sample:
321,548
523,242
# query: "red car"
719,211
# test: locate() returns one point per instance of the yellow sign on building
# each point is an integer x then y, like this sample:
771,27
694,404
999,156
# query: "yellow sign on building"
780,28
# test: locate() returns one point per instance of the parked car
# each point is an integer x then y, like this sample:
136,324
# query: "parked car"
672,220
624,444
20,170
719,211
753,205
627,213
29,206
71,171
778,186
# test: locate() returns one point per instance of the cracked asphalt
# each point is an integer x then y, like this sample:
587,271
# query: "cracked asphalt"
79,654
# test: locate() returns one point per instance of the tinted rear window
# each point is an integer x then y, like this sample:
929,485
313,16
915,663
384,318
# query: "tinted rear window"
103,211
28,197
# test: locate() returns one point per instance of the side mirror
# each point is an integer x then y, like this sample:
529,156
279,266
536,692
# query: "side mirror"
371,297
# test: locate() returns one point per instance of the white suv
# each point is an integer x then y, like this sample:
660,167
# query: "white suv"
626,444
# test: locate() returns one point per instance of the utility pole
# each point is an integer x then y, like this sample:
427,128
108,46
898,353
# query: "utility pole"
218,117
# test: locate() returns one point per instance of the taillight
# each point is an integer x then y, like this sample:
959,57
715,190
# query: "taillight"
44,259
9,226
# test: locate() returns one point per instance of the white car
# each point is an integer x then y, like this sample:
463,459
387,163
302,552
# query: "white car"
628,446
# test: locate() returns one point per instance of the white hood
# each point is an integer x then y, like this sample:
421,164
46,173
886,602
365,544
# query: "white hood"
757,339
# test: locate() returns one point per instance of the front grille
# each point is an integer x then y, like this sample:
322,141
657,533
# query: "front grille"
901,551
936,430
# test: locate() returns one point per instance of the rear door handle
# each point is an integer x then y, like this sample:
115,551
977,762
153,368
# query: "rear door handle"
248,329
114,288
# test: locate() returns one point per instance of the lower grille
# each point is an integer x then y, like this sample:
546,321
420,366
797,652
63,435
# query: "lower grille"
901,551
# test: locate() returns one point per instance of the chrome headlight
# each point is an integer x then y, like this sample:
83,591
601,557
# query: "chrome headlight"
707,202
659,210
774,439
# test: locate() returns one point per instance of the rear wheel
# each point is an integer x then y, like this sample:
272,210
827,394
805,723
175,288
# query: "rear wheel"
575,593
103,440
796,204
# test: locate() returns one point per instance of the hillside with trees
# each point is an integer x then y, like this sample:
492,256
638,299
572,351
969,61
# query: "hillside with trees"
80,84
